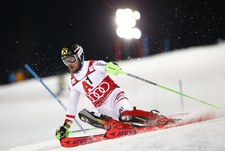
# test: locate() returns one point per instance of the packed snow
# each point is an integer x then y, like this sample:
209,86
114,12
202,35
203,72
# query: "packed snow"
30,115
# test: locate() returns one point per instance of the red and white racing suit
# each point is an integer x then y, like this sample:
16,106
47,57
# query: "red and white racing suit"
93,81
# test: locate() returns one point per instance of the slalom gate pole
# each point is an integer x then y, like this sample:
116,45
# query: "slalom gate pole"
169,89
54,95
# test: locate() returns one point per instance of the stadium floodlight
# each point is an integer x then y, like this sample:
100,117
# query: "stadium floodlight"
124,18
126,22
137,15
124,32
136,33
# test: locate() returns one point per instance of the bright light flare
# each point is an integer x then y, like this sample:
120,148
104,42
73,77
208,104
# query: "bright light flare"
128,33
137,15
136,33
124,18
126,22
124,32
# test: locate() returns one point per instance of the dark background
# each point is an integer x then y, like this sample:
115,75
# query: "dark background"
34,31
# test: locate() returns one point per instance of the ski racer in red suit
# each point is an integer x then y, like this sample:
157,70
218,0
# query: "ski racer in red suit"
111,106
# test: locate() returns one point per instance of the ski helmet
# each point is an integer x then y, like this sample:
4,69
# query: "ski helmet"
75,52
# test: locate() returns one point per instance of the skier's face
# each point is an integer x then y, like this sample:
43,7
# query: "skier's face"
72,62
74,67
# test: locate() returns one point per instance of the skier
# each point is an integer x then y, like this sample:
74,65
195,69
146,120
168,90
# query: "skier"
112,107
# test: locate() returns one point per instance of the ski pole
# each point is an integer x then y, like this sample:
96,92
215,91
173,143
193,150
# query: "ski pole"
54,95
87,129
169,89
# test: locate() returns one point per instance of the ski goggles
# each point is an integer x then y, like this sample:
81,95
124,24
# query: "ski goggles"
68,60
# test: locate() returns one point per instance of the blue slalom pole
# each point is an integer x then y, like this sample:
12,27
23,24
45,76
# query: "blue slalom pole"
55,96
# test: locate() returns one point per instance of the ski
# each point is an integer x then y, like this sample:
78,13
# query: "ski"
117,133
110,134
76,141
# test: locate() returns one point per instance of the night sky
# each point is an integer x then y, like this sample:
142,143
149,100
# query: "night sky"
34,31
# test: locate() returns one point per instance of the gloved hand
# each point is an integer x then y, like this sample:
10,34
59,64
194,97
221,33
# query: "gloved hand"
63,132
113,68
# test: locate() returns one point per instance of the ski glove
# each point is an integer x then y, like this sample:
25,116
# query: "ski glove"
63,132
113,68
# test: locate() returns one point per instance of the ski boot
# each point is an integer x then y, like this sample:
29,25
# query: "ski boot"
144,118
101,121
